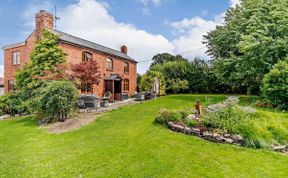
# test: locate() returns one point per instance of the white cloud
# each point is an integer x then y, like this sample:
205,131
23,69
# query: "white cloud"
146,4
90,20
204,12
1,70
234,3
154,2
191,31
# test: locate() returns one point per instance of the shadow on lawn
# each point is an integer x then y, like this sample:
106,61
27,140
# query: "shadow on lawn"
27,121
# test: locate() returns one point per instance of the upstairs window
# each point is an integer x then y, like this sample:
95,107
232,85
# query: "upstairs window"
126,85
86,57
11,85
109,64
126,67
16,58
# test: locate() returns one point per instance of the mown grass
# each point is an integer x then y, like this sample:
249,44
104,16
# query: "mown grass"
126,143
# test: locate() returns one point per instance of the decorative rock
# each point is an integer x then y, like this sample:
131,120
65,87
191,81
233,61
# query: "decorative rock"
191,117
187,130
237,138
229,140
170,124
227,135
221,139
196,130
178,128
207,135
215,135
280,148
6,116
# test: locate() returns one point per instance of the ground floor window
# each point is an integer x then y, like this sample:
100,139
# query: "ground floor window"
126,84
11,85
86,89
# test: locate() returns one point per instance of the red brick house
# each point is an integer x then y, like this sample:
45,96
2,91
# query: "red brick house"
118,70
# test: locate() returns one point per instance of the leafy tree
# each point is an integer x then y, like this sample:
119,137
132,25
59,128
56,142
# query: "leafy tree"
177,85
275,85
147,81
45,56
55,101
86,73
165,57
45,61
139,77
252,39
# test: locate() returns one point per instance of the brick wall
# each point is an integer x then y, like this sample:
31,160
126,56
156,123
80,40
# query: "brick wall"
74,55
25,51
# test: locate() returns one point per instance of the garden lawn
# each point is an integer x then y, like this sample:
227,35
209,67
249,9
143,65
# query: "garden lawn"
126,143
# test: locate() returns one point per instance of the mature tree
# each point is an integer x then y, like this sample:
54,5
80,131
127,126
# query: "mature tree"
86,73
147,81
165,57
45,56
44,65
275,85
177,86
139,77
252,39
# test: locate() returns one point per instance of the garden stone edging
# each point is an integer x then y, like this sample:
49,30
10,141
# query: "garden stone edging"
215,137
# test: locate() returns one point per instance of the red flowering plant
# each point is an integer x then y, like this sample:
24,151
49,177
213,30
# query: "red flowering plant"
85,74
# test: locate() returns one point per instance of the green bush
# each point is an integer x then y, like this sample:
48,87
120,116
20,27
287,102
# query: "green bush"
275,85
192,123
231,118
12,103
165,116
55,101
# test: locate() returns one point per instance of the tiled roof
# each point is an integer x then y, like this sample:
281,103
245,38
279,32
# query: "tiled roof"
81,42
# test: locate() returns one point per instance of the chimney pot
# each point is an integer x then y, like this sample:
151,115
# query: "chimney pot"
124,49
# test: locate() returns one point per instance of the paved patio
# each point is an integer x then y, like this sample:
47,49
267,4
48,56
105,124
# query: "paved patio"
111,106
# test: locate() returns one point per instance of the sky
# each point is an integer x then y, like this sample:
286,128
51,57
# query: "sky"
147,27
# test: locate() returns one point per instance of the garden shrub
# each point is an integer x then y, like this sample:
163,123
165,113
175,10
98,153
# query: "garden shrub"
165,116
55,101
12,103
191,123
275,85
234,119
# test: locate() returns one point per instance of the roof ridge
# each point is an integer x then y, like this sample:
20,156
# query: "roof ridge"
91,42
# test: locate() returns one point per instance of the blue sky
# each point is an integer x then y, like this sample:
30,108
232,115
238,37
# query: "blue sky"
145,26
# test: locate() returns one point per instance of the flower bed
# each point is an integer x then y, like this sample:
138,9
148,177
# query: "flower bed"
225,122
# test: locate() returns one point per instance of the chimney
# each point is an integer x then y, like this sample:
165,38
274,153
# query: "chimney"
124,49
43,20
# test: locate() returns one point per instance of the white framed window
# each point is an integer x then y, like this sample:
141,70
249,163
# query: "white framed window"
86,57
16,58
109,64
126,67
11,85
